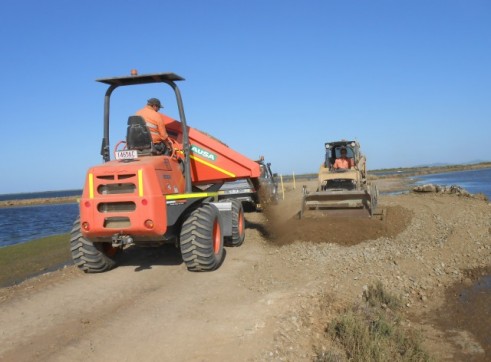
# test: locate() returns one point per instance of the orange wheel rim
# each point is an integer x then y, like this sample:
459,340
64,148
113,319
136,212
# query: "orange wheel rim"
241,222
216,237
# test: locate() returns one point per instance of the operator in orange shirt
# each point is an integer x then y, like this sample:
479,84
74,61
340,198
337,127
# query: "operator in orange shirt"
343,161
155,122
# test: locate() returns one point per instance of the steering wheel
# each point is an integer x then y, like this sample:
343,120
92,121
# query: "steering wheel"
173,146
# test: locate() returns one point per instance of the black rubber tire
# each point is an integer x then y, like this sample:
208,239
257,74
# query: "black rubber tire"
373,199
201,239
90,257
238,224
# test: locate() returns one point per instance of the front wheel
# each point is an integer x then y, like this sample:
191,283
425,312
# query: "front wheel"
88,256
201,239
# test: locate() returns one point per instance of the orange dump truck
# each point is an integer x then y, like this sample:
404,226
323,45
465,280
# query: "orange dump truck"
146,198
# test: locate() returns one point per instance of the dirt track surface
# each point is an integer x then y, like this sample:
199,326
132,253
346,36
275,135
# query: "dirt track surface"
272,297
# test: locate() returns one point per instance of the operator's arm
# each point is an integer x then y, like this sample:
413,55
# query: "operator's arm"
161,127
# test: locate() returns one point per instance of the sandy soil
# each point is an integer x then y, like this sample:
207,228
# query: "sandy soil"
271,299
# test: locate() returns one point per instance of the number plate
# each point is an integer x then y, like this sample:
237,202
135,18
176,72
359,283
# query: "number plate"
126,155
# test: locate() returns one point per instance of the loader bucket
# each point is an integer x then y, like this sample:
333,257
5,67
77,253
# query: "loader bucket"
340,203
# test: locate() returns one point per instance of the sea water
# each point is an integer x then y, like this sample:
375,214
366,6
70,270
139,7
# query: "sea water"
21,224
474,181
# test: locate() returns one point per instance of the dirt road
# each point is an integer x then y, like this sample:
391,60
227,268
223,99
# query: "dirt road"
270,300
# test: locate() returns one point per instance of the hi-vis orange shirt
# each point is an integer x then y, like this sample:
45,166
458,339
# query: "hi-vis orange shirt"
343,163
155,122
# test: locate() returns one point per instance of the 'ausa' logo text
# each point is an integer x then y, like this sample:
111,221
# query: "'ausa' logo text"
203,153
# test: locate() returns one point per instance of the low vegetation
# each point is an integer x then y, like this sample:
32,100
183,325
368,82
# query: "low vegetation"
372,331
20,261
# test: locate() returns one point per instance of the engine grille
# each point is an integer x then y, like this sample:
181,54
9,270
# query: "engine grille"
117,222
124,206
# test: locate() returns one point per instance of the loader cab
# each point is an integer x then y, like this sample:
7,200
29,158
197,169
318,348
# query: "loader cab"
333,152
253,193
268,182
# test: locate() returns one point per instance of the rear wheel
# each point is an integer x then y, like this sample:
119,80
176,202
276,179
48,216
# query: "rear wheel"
88,256
238,224
201,239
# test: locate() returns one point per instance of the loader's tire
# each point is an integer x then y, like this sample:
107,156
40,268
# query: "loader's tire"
201,239
275,197
238,224
373,199
88,256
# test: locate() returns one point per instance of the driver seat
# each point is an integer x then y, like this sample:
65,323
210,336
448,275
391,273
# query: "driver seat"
138,136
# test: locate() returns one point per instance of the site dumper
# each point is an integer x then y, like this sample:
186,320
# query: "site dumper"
144,198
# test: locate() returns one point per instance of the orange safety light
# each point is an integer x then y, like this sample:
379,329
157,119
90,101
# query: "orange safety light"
134,72
149,224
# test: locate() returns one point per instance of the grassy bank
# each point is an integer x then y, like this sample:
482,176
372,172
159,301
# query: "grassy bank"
21,261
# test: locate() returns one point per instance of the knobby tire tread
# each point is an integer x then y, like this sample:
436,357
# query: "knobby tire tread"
85,255
237,238
196,240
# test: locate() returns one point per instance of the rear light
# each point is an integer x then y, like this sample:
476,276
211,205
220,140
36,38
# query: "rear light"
85,226
87,203
149,224
144,202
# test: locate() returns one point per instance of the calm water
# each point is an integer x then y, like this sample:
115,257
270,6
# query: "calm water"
475,181
21,224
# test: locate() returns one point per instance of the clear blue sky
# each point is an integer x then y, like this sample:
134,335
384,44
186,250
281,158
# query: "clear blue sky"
409,79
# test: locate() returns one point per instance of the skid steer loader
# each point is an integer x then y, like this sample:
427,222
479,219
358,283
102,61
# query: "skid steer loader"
341,191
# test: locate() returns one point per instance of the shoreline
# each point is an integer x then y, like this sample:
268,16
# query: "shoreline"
40,201
398,181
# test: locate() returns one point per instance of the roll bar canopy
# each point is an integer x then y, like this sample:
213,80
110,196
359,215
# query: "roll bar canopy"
167,78
141,79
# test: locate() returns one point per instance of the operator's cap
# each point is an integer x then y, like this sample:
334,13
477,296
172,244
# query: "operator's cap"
154,102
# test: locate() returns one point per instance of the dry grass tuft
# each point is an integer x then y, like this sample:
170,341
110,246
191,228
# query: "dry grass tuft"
371,331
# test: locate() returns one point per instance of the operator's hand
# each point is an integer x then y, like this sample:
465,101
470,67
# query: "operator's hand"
170,146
